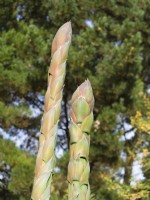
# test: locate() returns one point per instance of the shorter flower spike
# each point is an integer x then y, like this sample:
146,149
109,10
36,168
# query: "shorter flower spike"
81,114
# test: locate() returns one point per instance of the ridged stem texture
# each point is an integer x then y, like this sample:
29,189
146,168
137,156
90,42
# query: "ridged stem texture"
81,114
45,162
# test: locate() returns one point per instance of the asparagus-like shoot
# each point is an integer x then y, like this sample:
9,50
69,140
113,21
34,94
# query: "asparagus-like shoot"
45,162
81,114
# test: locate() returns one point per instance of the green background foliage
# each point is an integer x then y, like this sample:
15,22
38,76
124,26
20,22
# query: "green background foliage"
111,47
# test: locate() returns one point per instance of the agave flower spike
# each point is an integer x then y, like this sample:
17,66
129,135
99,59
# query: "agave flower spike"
45,162
81,114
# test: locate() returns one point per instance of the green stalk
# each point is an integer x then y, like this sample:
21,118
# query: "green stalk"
45,162
81,114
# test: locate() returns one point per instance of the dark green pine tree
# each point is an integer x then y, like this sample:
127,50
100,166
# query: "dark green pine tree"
16,169
111,47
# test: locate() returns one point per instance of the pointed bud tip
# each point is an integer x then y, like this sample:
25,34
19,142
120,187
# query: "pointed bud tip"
86,83
62,36
84,90
67,26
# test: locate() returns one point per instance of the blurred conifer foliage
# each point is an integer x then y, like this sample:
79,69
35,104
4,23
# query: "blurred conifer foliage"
110,46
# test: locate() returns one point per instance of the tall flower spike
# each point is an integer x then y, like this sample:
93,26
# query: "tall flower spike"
45,162
81,114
